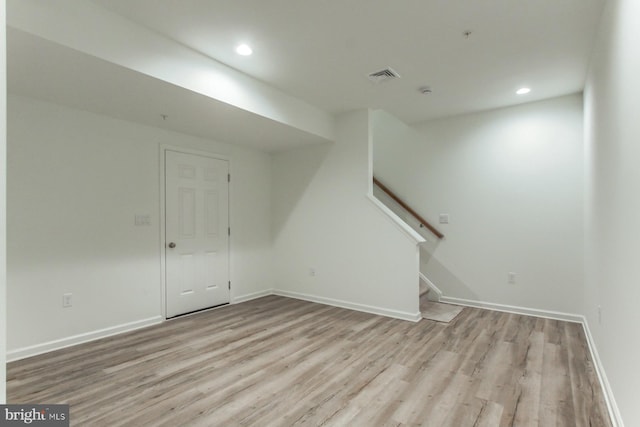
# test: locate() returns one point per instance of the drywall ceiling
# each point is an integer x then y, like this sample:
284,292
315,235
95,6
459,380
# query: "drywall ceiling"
321,51
45,70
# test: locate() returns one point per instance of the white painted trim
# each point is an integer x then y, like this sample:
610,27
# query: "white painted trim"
413,235
161,225
251,296
546,314
614,411
203,153
402,315
431,286
46,347
612,407
162,170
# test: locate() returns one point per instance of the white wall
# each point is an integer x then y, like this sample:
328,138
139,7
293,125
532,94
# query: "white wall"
89,28
75,182
323,220
612,129
390,140
511,181
3,198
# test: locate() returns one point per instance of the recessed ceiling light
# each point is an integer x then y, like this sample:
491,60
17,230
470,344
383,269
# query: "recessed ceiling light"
244,50
523,91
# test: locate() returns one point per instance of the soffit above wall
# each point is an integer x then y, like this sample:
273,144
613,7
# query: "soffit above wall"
41,69
322,51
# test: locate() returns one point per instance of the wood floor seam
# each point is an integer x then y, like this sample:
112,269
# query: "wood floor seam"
277,361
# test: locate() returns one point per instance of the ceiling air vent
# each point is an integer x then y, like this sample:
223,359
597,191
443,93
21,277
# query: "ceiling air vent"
383,75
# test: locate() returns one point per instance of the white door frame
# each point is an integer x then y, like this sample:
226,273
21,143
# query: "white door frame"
163,256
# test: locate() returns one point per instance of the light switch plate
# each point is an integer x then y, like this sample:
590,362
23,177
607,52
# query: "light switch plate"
444,218
142,220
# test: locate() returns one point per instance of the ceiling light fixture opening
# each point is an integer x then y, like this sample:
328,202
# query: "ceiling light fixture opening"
244,50
523,91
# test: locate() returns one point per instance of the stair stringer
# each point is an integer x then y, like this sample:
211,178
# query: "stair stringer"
434,294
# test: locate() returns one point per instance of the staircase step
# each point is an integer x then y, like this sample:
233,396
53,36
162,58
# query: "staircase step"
424,289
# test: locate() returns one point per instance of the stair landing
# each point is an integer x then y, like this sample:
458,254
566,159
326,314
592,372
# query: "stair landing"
437,311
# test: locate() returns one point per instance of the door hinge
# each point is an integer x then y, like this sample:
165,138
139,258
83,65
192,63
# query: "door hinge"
228,177
229,284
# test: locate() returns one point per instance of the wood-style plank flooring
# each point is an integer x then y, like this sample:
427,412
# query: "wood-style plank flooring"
277,361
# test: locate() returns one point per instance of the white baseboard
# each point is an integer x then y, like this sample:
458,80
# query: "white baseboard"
437,292
614,412
612,407
547,314
34,350
402,315
253,295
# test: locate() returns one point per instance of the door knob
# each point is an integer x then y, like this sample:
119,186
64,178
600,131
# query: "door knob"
172,245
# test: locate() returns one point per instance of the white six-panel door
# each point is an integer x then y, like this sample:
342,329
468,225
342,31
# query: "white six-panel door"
196,232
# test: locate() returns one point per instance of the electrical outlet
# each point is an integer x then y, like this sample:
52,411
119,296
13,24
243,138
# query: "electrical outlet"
443,218
511,278
67,299
312,272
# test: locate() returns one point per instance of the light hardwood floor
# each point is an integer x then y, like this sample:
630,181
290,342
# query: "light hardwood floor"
276,361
